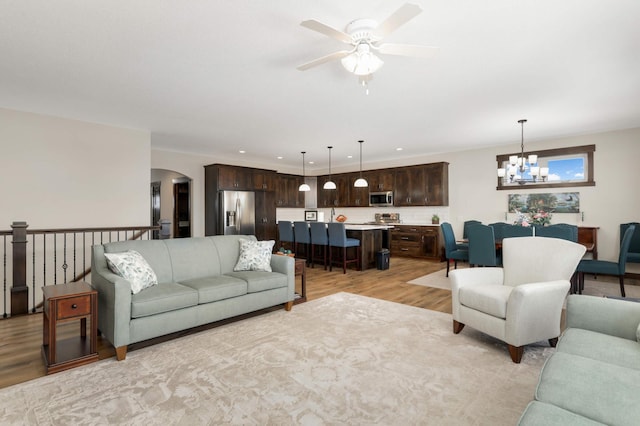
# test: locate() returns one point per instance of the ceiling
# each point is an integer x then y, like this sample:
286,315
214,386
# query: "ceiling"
217,76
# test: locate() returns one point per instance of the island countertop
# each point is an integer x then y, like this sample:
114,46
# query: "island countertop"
365,227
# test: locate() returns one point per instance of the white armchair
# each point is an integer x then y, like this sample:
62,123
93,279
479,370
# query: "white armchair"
520,303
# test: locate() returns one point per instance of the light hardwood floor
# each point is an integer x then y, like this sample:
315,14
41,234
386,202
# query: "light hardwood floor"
21,337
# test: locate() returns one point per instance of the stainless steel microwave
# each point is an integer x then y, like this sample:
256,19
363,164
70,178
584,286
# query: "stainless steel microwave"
381,199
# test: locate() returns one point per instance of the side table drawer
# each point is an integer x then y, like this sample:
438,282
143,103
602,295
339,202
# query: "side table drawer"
73,307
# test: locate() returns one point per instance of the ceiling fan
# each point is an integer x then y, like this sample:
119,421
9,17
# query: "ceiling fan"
364,37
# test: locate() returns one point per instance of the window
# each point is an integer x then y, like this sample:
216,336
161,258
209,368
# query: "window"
568,167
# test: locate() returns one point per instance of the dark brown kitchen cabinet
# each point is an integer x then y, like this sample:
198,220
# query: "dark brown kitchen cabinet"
437,184
222,177
265,215
264,180
416,241
233,177
410,187
380,180
287,194
358,197
422,185
338,197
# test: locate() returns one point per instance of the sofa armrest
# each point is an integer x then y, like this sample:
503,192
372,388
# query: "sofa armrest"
534,311
285,265
114,299
614,317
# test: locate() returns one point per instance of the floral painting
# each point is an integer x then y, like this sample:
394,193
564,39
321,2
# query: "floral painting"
564,202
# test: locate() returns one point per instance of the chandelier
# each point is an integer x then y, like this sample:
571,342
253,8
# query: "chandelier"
518,166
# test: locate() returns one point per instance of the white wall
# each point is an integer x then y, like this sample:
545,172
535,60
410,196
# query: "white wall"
60,173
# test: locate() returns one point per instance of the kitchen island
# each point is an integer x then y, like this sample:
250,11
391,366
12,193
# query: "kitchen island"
373,238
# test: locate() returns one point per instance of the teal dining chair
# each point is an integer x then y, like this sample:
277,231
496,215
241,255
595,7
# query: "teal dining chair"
451,249
482,246
603,267
634,246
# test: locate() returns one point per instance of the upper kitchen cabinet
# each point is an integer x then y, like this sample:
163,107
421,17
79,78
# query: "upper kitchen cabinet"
409,188
380,180
422,185
287,194
229,177
264,180
437,184
338,197
358,197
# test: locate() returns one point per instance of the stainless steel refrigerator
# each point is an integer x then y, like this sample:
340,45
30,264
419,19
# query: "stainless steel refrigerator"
237,212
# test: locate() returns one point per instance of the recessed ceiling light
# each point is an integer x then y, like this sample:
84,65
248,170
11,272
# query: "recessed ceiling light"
398,149
242,151
312,162
279,157
349,156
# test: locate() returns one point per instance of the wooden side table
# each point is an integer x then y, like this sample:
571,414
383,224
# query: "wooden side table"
65,303
301,271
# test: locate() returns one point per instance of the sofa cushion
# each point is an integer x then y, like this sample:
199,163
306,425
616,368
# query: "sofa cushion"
163,297
255,256
211,289
603,392
259,281
539,413
598,346
132,266
490,299
193,258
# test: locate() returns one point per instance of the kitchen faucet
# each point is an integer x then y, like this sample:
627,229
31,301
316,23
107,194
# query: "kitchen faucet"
333,212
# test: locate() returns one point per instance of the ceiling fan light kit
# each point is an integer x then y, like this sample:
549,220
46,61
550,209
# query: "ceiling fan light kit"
364,36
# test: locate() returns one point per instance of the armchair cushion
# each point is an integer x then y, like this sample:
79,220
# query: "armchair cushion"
490,299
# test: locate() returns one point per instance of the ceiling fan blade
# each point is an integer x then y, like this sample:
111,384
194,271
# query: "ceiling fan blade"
314,25
335,55
414,50
397,19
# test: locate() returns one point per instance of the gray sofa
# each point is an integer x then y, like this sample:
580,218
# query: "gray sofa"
196,285
594,375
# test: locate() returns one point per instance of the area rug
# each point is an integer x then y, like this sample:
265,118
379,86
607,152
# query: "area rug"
342,359
600,286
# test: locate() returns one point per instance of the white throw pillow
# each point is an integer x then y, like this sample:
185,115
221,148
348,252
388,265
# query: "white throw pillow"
255,256
132,266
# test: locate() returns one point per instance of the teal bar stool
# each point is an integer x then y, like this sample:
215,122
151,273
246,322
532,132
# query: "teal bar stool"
338,238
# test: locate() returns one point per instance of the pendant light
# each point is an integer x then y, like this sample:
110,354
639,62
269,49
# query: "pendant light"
329,184
361,182
304,187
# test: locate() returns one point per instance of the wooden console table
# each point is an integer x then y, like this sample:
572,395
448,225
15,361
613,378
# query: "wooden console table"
588,237
65,303
302,272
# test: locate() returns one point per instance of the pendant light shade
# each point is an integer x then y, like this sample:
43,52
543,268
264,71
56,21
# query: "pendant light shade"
304,187
361,182
329,184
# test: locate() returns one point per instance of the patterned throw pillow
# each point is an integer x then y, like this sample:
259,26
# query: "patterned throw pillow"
132,266
255,256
